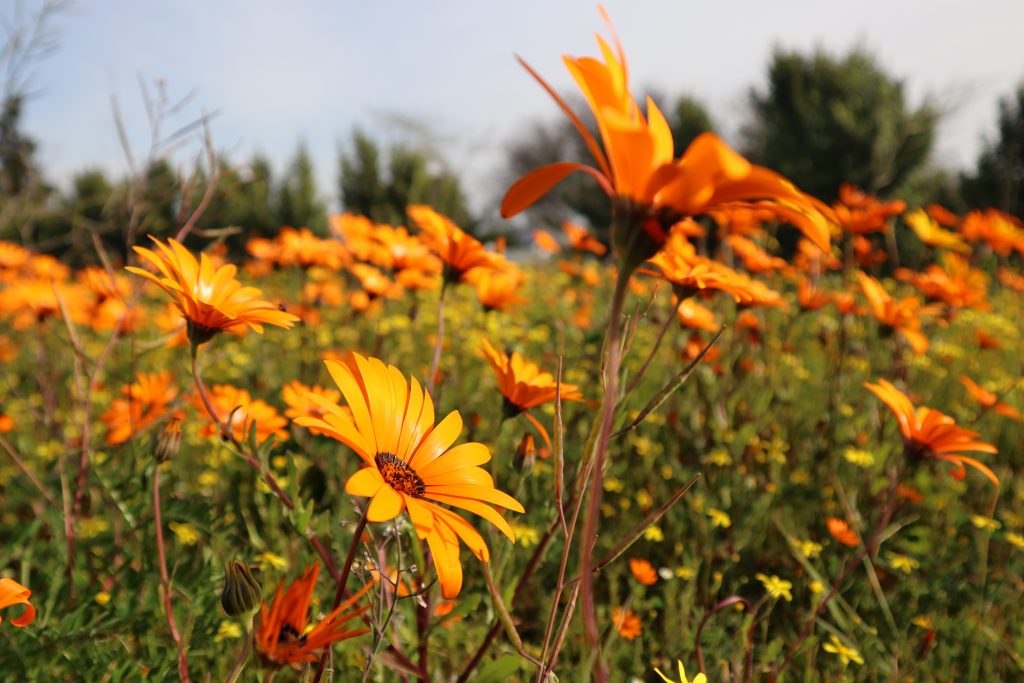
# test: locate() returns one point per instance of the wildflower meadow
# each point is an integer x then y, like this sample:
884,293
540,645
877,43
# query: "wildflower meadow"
740,432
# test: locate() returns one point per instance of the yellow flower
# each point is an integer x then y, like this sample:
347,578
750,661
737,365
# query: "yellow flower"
859,457
923,621
613,485
845,654
903,563
699,678
809,549
185,533
527,536
228,629
102,598
776,587
718,458
1016,540
654,533
644,499
986,523
271,560
816,587
92,526
719,518
686,573
800,477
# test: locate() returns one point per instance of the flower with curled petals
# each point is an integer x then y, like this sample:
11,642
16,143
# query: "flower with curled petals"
410,463
13,593
210,299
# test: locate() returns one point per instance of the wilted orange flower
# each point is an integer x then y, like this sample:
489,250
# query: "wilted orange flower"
409,462
145,401
842,532
237,407
643,571
581,240
458,250
635,166
626,623
296,396
928,231
901,316
988,400
929,433
210,299
281,634
13,593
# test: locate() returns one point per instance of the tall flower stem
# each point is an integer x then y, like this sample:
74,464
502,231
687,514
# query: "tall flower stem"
165,581
435,362
346,569
613,360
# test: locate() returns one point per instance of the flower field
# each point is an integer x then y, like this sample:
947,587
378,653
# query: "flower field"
745,433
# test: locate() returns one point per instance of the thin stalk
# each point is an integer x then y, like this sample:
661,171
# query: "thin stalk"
165,580
435,362
650,357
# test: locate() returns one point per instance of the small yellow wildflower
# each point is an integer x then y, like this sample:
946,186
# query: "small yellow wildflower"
719,518
816,587
185,533
923,621
651,533
644,499
776,587
271,560
527,536
903,563
809,549
1016,540
208,478
699,678
228,629
686,573
858,457
718,458
845,654
92,526
800,477
102,598
986,523
666,471
613,485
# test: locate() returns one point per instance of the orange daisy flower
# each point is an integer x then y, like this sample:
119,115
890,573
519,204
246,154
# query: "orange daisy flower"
210,299
988,400
627,623
695,316
410,464
930,433
643,571
296,396
931,233
497,289
459,250
545,241
860,213
237,407
902,316
13,593
145,401
842,532
635,166
581,240
281,634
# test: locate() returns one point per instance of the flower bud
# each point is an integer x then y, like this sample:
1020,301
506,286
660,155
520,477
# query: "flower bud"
526,453
242,594
169,441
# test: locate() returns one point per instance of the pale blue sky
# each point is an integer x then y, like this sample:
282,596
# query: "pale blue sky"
278,72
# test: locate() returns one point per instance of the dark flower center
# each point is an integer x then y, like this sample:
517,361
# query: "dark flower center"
399,475
915,451
288,635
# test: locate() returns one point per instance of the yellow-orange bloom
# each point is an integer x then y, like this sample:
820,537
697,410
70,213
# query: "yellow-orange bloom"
145,401
581,240
841,531
928,231
859,213
296,396
626,623
497,289
13,593
410,464
988,400
635,165
902,316
643,571
282,636
523,384
237,407
459,251
210,299
930,433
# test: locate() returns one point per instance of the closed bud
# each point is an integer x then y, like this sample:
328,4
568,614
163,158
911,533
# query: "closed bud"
169,441
526,453
242,594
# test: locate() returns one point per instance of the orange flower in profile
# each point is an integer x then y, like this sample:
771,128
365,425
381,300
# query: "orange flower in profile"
210,299
32,301
237,408
581,240
860,213
296,396
458,250
901,316
497,289
931,233
650,189
545,241
13,593
281,634
988,400
145,401
643,571
931,434
523,384
410,464
626,623
842,532
304,249
755,259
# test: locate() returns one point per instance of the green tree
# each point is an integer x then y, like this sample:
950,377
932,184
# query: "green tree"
823,120
382,188
298,203
998,178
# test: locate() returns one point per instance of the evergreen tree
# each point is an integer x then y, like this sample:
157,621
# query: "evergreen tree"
998,178
297,202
